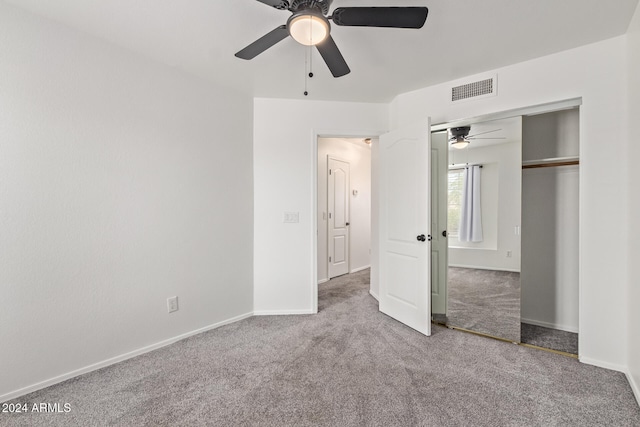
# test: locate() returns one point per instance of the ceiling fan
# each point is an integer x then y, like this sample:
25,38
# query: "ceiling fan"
459,136
309,25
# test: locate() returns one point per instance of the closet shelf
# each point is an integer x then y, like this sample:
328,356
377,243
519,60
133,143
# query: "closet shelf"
552,162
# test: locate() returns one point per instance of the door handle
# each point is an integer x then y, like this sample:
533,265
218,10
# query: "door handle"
346,224
421,238
444,233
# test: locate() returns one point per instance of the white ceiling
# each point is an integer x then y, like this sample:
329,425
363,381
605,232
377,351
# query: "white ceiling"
460,38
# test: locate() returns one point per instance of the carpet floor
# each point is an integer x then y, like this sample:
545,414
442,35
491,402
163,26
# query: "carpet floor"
485,301
348,365
549,338
489,301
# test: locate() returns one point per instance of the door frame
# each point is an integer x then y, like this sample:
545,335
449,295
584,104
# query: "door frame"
313,230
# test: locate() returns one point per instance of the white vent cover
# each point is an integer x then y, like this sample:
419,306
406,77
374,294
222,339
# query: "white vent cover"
481,88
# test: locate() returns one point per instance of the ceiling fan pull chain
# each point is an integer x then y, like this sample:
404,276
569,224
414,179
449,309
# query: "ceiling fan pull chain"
306,67
308,63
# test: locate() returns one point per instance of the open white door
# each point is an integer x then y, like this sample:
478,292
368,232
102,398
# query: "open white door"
405,252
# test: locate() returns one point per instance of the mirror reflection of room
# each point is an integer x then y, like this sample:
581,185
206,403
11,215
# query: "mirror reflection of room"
510,196
483,227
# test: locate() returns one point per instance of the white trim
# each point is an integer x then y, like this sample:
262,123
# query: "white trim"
113,360
373,294
355,270
321,281
550,325
634,386
601,364
481,267
284,312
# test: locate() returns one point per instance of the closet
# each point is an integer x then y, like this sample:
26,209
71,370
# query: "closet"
549,230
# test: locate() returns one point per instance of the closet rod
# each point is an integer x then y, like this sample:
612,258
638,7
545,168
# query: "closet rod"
550,164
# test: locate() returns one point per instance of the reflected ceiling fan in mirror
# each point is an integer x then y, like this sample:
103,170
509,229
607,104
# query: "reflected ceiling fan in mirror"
309,25
459,136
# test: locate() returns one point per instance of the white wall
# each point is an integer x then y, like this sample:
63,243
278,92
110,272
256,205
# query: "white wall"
358,155
285,159
550,211
500,201
597,74
633,51
122,182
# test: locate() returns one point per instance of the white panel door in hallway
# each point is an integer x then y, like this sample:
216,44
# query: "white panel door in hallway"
405,249
338,207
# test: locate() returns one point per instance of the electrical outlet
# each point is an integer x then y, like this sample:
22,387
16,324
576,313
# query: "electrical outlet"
172,304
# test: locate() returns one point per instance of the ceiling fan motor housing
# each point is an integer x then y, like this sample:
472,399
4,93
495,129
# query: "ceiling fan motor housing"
321,5
461,131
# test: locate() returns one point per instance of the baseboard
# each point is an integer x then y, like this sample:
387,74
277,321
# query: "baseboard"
355,270
480,267
373,294
601,364
634,386
282,312
550,325
113,360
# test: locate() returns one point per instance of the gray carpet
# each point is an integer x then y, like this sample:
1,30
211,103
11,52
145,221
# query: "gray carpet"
484,301
549,338
349,365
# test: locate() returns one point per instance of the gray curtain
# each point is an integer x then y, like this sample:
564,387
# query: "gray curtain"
471,211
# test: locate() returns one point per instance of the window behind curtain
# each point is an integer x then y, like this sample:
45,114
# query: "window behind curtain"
454,201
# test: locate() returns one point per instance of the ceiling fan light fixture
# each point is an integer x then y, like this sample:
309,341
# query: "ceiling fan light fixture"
460,143
308,29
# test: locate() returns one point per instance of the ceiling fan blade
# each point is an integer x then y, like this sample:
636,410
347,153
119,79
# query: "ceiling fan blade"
264,43
482,133
278,4
332,56
394,17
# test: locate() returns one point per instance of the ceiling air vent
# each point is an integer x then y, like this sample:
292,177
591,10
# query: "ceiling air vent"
481,88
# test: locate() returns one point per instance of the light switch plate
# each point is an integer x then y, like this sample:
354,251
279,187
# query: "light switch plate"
291,217
172,304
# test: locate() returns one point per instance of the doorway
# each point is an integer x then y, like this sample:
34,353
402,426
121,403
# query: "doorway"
344,206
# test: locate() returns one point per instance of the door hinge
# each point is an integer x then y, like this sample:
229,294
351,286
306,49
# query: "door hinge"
329,171
329,259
